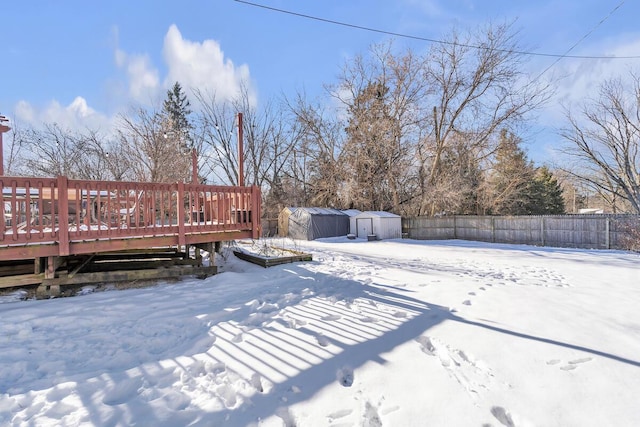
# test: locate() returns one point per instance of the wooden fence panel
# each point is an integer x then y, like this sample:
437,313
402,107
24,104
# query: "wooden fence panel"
428,228
575,231
525,230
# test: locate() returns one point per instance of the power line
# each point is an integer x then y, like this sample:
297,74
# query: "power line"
413,37
580,41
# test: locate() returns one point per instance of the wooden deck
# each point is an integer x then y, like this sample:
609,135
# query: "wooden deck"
50,220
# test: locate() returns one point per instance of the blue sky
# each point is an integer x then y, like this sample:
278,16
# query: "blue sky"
80,63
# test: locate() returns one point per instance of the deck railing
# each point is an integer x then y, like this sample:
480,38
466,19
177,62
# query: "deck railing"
61,211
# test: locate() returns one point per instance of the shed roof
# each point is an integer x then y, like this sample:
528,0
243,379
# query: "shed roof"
321,211
380,214
351,212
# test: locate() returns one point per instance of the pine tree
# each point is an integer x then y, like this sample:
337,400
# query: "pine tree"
177,110
547,195
370,150
510,184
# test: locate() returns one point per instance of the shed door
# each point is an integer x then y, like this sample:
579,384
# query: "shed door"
364,226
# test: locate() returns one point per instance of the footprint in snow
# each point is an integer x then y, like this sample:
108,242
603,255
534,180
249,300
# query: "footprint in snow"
288,420
426,345
228,395
371,417
466,302
322,340
122,391
573,364
345,376
341,413
503,416
256,382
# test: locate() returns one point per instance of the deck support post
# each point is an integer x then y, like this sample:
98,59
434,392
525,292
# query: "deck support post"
46,288
52,264
198,255
38,265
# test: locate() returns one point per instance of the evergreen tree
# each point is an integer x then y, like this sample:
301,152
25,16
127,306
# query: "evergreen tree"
547,197
176,107
510,183
370,150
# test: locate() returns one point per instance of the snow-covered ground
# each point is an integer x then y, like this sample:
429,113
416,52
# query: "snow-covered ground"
389,333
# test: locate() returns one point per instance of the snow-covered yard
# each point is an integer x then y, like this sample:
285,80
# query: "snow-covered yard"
388,333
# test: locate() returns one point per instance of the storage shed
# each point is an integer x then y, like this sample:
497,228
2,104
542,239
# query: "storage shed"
351,213
315,223
283,221
384,225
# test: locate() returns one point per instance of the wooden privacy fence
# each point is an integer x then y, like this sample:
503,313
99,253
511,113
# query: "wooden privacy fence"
60,216
575,231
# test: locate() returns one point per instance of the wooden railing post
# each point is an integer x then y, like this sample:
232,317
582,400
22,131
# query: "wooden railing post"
181,214
256,214
63,214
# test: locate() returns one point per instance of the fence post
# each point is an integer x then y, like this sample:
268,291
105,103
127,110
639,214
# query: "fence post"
607,237
542,231
455,227
493,229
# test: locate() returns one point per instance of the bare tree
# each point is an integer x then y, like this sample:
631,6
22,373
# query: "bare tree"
315,174
477,87
604,143
105,159
154,153
52,151
459,187
268,144
271,140
413,134
14,162
382,96
217,122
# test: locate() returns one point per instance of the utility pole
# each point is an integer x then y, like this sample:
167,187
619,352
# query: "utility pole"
240,153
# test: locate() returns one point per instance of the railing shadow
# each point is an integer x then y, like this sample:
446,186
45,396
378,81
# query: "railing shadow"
251,348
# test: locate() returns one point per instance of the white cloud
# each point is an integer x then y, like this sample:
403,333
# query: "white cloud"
203,66
76,115
143,78
196,65
578,80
